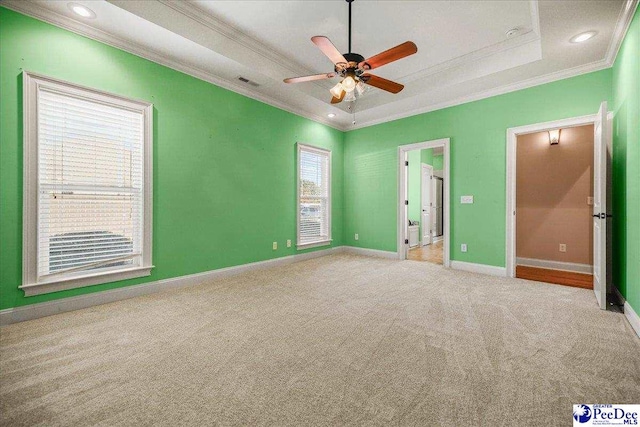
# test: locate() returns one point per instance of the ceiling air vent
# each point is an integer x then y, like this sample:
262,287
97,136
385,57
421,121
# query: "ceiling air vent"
244,80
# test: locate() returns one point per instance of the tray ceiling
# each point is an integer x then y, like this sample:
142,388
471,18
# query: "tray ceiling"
464,52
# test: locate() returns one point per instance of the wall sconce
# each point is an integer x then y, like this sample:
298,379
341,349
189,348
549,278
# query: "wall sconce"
554,136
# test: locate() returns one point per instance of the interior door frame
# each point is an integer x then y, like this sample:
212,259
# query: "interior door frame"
424,166
512,141
402,230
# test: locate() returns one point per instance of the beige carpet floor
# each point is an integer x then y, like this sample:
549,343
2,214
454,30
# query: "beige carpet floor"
339,340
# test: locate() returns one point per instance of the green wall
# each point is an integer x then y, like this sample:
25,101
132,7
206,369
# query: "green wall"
626,166
478,162
222,160
224,164
438,162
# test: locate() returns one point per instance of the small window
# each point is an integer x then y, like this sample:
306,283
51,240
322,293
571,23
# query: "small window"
314,196
87,187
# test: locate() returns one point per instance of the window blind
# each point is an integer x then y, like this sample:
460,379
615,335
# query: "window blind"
314,195
90,185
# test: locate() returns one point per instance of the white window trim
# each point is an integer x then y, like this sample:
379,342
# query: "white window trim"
322,242
30,284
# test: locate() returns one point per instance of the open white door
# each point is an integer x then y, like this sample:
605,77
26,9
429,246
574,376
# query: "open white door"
427,177
600,160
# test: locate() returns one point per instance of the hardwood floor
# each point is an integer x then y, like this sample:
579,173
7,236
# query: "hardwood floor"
433,253
568,278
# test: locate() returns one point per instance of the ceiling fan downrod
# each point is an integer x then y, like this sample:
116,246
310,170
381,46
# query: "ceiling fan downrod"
349,1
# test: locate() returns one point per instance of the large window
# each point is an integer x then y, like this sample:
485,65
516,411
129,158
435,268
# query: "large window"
87,186
314,196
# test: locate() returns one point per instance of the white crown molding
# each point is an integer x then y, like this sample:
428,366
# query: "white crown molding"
62,21
531,36
235,35
41,13
500,90
622,26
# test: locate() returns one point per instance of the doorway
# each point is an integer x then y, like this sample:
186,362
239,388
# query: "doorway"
552,191
554,195
423,202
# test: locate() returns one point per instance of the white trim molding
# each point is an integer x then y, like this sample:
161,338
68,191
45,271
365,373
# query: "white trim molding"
37,11
632,317
622,26
35,311
402,223
370,252
555,265
34,283
41,13
490,270
629,312
512,140
323,240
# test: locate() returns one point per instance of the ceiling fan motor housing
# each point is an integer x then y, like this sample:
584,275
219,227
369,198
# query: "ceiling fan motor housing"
350,68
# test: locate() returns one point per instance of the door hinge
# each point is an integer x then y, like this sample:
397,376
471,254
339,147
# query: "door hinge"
406,202
406,241
406,162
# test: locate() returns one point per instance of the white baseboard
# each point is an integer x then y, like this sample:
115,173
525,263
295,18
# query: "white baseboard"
479,268
632,317
629,312
370,252
556,265
34,311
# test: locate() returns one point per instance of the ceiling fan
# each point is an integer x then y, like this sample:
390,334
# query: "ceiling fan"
353,68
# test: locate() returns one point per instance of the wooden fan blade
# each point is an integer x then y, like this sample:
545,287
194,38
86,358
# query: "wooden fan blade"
381,83
401,51
335,100
328,49
309,78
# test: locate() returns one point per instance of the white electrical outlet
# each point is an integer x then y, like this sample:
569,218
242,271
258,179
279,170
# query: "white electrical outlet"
466,200
288,243
356,236
563,247
275,245
463,247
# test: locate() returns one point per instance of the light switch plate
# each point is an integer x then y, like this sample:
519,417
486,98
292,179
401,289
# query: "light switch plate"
590,201
466,199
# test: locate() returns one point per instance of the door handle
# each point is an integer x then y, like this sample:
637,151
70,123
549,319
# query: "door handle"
602,215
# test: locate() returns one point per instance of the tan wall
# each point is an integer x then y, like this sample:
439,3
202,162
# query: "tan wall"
553,183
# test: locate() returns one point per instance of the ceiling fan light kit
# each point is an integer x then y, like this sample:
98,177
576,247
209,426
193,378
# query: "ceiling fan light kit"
353,68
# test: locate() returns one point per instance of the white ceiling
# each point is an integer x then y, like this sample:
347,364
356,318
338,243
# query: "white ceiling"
463,50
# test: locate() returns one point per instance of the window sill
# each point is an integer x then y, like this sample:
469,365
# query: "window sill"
65,283
301,246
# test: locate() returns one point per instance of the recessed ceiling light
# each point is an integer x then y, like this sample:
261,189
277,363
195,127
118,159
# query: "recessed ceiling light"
81,10
513,32
583,37
331,115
